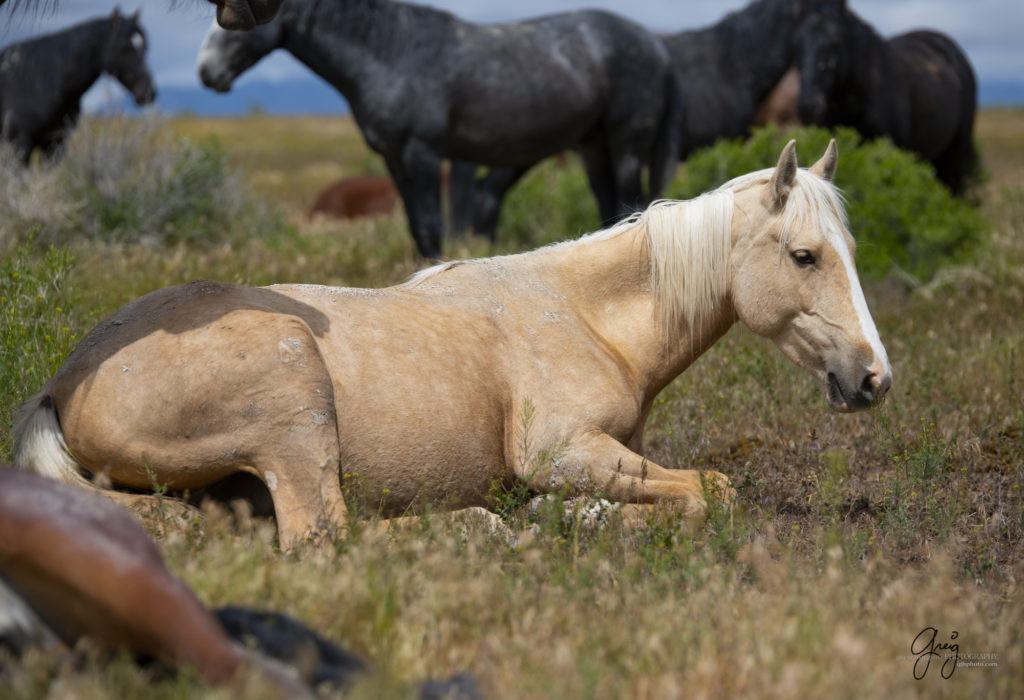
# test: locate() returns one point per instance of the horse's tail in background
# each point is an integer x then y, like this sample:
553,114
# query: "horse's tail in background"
39,442
960,165
668,140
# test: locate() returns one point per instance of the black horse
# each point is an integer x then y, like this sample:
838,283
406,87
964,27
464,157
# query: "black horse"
725,72
728,69
424,85
42,80
917,88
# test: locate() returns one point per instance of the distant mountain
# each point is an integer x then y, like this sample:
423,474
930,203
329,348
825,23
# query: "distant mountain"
295,97
997,93
313,96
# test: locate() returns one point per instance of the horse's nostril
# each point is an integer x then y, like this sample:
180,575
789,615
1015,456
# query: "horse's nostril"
867,387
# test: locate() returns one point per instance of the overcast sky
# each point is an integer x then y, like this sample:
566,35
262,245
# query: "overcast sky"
989,30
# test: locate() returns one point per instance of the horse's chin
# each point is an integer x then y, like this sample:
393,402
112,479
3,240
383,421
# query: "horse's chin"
145,98
216,83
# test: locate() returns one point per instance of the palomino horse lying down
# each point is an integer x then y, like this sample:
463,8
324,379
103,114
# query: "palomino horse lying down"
540,367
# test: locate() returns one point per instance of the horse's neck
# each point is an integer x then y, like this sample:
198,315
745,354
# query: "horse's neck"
81,51
352,45
609,281
755,46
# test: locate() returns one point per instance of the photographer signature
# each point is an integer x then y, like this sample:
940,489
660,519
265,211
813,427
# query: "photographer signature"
925,647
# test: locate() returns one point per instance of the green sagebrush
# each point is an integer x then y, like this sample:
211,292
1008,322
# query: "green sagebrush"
904,220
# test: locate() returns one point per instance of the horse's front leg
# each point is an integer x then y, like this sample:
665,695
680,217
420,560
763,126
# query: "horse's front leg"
599,462
417,173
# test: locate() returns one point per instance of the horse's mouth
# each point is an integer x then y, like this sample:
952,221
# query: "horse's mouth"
145,96
218,82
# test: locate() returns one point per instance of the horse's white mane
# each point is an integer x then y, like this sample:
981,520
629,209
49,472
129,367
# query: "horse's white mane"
689,242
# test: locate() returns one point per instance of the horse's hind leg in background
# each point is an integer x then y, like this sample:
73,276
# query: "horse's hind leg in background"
955,166
461,194
417,174
489,195
601,175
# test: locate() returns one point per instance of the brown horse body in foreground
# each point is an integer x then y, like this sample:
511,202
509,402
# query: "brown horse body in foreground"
73,565
540,367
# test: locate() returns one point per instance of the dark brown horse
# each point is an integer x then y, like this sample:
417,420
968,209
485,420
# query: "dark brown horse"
918,88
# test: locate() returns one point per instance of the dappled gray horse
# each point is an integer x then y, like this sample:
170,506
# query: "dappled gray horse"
424,85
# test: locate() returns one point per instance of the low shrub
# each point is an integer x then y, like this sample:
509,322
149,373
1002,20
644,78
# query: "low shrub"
904,220
129,179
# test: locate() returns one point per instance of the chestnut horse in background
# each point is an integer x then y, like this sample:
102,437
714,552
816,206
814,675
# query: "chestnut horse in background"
433,390
356,196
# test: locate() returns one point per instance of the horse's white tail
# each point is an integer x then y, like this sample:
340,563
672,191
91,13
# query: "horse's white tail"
39,443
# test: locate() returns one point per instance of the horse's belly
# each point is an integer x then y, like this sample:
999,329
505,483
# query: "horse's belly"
410,454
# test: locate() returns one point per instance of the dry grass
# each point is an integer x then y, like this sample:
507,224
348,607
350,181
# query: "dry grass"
854,533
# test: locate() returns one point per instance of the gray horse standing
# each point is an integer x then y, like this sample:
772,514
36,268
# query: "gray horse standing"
424,85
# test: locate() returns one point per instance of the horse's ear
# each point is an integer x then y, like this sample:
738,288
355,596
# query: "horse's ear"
135,17
784,175
826,165
117,13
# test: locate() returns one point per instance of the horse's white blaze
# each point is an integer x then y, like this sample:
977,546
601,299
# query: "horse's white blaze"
138,42
860,305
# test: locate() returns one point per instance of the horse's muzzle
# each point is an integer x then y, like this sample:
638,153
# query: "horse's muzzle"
215,80
144,95
869,390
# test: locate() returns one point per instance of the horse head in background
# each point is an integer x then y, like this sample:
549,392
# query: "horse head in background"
918,88
412,389
42,80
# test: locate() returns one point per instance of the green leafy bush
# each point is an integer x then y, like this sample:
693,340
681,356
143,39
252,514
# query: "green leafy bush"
902,217
36,330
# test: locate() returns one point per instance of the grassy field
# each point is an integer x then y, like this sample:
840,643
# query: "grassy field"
854,533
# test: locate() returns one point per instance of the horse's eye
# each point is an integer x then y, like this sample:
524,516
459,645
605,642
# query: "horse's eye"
803,257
